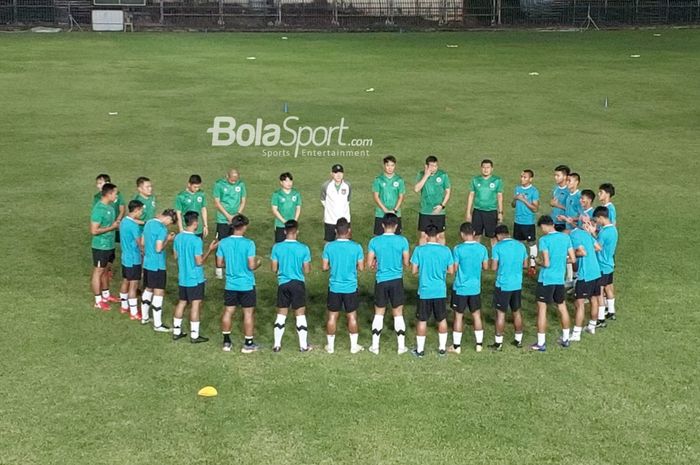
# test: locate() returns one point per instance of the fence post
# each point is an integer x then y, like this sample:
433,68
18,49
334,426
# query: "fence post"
220,22
14,11
162,15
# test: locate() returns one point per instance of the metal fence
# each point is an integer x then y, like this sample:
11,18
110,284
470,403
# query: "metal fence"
360,14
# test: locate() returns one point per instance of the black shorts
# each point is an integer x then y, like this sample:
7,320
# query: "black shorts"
132,273
102,258
524,232
503,300
389,292
280,235
189,294
425,220
605,279
434,307
460,302
343,301
245,299
292,295
484,222
587,289
329,232
154,279
223,230
560,227
379,229
553,293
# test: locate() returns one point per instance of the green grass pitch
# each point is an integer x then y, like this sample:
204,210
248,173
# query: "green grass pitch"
83,387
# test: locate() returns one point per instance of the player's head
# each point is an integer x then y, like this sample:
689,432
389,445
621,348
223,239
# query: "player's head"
486,167
233,175
432,163
587,198
291,227
109,191
601,215
168,217
135,208
342,228
101,180
389,164
390,222
191,220
561,173
546,223
605,192
194,183
239,223
337,172
502,232
144,186
286,180
466,230
526,177
432,232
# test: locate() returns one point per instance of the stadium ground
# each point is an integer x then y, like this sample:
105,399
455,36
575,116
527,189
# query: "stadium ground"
80,386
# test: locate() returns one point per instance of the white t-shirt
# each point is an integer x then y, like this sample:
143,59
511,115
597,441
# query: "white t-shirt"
336,201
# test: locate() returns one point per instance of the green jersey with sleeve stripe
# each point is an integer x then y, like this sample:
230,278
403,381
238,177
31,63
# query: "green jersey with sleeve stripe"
230,196
286,203
389,190
433,191
104,216
187,201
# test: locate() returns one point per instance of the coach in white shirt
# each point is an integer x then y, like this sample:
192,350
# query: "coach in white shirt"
335,197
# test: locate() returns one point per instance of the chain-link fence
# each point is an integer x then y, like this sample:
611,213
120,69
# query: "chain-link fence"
357,14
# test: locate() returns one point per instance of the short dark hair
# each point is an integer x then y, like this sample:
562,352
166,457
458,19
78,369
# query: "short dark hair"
390,220
389,158
487,161
286,175
290,226
563,169
342,227
431,159
607,187
466,228
431,230
191,217
195,179
576,176
238,221
140,180
134,205
545,220
589,194
107,188
530,172
502,229
104,177
601,211
171,213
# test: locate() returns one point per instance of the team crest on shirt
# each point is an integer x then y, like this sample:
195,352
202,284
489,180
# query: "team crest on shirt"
396,184
153,203
492,185
438,180
294,198
238,188
343,191
199,199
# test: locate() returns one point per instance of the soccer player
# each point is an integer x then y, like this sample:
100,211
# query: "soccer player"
344,258
130,232
193,199
286,205
434,187
431,262
559,194
486,198
470,257
291,260
526,202
335,198
230,200
237,253
606,192
119,212
103,224
144,194
588,282
607,238
556,251
187,248
508,258
389,190
155,240
587,198
571,215
388,254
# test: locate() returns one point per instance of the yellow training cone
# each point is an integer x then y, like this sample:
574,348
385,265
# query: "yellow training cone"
208,391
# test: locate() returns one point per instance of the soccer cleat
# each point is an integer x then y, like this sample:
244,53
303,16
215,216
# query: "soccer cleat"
479,347
277,349
145,322
135,317
329,350
102,305
402,350
374,350
442,353
199,339
496,347
306,349
532,272
112,299
575,337
357,349
538,348
226,347
601,324
123,311
249,348
417,354
610,316
177,337
589,330
161,329
454,350
517,344
563,343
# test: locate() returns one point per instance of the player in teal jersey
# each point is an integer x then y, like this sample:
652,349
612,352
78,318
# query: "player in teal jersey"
230,199
587,284
556,251
559,194
434,187
286,205
432,262
606,192
187,250
238,254
388,190
132,270
103,224
606,247
388,254
526,202
470,258
193,199
587,198
571,214
486,198
291,260
144,194
343,258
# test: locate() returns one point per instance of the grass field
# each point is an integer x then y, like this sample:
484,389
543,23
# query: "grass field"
82,387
